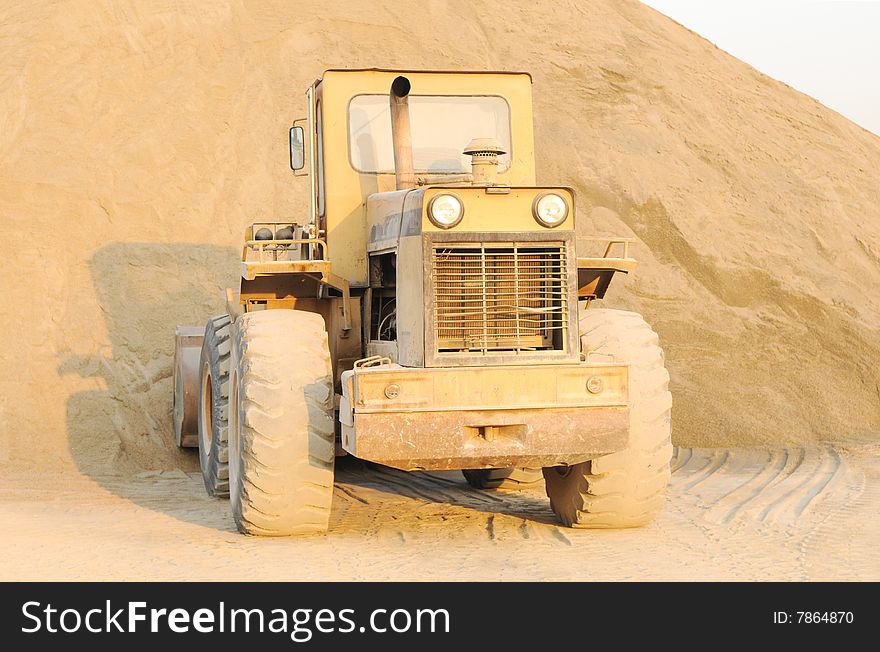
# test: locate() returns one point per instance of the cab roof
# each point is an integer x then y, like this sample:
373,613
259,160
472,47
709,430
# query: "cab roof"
427,71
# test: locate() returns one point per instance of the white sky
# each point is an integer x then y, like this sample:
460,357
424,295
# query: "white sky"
829,49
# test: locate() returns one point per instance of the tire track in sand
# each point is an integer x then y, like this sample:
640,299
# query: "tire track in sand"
774,486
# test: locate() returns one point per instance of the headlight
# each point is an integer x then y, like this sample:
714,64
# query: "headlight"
550,209
445,211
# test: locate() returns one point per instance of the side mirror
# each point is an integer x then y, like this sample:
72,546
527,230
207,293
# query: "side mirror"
297,148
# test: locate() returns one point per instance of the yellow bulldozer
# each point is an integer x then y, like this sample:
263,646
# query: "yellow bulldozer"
431,310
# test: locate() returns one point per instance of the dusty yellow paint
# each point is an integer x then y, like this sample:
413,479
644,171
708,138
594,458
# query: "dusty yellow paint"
347,189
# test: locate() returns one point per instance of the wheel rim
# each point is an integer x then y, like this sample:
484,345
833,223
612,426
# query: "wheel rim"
206,414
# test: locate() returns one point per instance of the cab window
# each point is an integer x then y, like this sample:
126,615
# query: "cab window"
441,128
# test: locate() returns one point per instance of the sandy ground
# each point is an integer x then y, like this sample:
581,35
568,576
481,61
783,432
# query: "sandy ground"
732,514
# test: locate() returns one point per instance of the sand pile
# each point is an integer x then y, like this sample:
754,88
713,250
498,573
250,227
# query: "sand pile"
137,140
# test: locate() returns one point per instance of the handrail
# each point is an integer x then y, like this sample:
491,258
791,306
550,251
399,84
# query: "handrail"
260,246
372,361
610,244
464,177
313,160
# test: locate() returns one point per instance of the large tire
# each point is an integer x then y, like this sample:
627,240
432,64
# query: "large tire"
624,489
514,479
281,427
213,406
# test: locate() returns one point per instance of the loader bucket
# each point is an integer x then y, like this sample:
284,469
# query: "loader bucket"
187,351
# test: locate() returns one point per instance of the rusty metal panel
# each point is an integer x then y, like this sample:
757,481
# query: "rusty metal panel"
483,439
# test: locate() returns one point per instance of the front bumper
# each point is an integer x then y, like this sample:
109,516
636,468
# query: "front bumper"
480,417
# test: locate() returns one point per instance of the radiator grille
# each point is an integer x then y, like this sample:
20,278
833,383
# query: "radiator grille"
491,297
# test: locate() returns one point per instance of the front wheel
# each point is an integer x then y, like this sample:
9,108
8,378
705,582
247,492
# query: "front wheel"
627,488
281,425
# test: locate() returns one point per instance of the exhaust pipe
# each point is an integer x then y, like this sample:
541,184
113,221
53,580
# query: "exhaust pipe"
401,135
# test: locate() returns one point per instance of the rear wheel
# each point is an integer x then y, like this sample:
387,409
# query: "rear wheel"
624,489
281,426
213,406
514,479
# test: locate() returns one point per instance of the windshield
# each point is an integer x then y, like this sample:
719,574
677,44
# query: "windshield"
441,128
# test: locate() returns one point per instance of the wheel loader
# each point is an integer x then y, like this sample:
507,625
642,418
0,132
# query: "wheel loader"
431,309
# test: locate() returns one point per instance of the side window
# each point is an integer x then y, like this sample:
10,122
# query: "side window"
320,128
